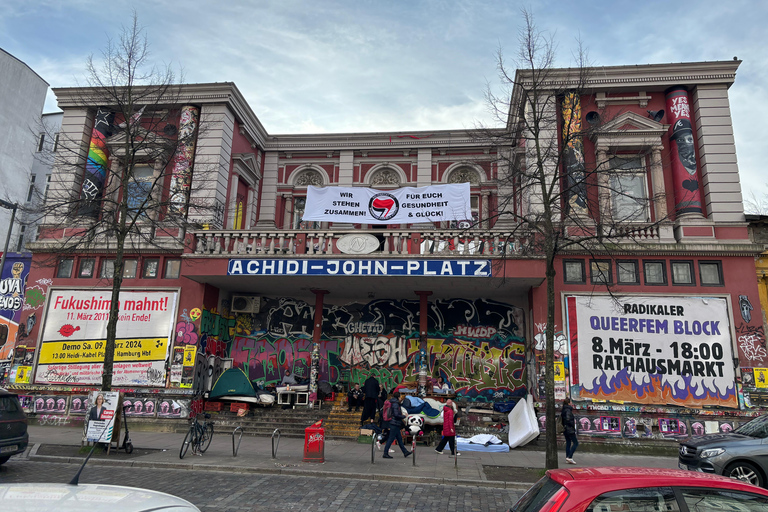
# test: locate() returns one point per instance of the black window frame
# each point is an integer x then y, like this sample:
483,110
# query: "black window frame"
165,268
663,270
719,265
672,264
102,268
592,274
80,268
71,268
637,272
583,271
136,272
144,264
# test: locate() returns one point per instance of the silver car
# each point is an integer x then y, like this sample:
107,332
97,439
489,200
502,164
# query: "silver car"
30,497
741,454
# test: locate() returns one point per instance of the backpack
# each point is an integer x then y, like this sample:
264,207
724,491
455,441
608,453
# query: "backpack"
386,413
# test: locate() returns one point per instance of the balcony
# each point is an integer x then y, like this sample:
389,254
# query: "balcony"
487,243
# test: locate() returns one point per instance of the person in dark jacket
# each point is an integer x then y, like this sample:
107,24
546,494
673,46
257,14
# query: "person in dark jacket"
355,398
569,431
395,424
371,389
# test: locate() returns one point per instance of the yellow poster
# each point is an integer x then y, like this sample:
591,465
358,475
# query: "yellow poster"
559,371
22,374
189,355
761,377
144,349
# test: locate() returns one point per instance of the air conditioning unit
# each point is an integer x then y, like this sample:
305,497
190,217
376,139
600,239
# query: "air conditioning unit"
245,304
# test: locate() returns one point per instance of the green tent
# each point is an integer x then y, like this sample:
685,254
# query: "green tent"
233,384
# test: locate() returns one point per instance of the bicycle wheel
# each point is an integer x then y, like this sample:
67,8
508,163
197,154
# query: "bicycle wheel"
206,436
187,441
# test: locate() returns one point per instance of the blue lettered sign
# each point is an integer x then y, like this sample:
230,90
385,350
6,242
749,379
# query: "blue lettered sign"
359,267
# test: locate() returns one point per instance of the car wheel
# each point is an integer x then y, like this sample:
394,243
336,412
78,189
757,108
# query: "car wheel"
3,460
745,472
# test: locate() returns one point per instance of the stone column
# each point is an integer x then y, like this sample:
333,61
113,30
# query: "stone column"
659,198
484,214
604,186
232,204
287,217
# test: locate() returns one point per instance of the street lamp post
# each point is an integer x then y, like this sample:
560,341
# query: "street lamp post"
12,207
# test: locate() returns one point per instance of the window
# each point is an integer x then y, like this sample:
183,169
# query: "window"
655,272
172,269
636,500
706,500
139,188
629,198
151,266
107,269
20,245
682,272
129,268
87,266
31,188
65,267
574,271
47,186
298,212
710,273
627,272
40,142
600,272
474,202
56,142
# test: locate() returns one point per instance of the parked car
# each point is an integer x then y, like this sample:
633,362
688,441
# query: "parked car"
13,426
36,497
741,454
609,489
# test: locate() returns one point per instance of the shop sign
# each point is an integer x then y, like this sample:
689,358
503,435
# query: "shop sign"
74,337
360,267
653,349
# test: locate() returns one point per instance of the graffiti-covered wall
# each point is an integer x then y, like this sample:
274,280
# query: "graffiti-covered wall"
477,346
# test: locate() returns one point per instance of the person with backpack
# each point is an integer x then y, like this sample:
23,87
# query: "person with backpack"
449,430
392,415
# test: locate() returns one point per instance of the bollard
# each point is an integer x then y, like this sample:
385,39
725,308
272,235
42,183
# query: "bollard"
373,447
413,449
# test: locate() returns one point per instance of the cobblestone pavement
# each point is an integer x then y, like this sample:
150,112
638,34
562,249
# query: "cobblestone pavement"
233,492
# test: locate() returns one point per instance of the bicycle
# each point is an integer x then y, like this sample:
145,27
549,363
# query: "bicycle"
198,436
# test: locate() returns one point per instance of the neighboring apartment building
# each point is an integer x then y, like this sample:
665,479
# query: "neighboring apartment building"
255,283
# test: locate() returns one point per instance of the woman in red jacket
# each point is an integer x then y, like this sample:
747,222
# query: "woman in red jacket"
449,430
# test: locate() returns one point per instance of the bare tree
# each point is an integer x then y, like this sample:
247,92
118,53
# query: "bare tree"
550,197
126,187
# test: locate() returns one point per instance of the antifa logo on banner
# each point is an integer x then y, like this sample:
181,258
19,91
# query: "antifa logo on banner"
383,206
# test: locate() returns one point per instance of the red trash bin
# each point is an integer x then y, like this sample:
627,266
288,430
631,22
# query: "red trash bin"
314,443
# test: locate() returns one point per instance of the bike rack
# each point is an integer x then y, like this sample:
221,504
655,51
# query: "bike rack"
374,437
274,447
236,448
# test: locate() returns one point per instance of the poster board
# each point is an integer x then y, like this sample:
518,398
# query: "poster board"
100,426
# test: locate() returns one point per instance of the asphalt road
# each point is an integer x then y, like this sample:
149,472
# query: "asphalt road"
233,492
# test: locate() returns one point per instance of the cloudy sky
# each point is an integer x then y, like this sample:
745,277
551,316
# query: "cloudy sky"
361,65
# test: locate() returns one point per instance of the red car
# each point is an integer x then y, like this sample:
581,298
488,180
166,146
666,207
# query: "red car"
614,489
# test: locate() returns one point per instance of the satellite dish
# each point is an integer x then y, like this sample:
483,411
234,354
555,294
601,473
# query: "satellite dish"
656,115
593,117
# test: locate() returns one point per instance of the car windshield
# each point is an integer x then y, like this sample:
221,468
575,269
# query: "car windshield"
537,496
758,427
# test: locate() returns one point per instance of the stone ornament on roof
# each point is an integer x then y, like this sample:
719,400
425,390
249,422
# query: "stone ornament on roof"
385,177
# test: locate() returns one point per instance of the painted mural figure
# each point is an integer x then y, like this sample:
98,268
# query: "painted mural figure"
746,308
574,155
683,135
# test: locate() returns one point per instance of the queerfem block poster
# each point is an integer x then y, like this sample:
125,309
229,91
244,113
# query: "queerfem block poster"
661,350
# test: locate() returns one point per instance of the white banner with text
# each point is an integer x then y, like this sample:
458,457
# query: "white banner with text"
407,205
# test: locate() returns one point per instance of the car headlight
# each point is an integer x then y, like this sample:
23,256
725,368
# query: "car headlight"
712,452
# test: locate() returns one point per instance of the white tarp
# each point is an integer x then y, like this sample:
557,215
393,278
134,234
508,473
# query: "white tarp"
523,426
407,205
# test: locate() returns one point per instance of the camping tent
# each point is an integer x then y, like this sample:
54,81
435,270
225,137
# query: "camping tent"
233,384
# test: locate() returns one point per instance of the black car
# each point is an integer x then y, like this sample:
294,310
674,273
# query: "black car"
741,454
13,426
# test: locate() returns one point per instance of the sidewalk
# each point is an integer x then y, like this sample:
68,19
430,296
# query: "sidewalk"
343,459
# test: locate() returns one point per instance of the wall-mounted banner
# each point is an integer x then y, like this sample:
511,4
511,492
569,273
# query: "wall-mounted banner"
75,331
405,205
12,287
657,350
429,268
101,416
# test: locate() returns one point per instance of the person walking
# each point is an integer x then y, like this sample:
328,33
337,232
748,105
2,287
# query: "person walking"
371,389
569,431
449,431
394,416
